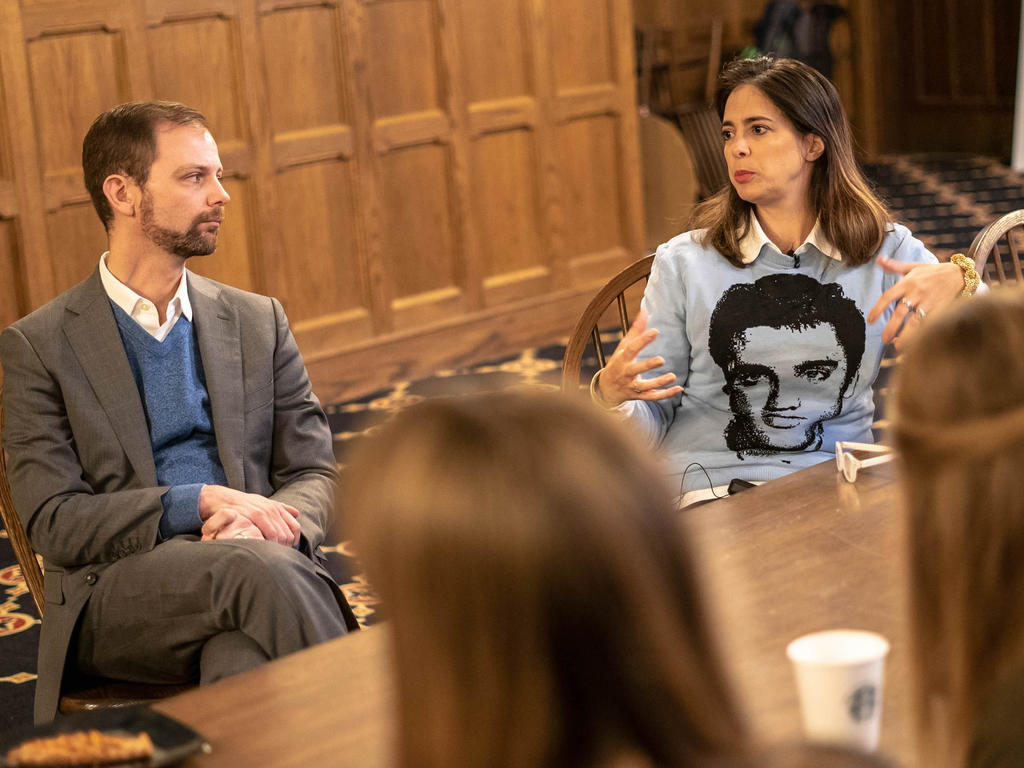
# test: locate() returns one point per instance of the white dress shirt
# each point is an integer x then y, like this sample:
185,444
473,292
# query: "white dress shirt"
141,309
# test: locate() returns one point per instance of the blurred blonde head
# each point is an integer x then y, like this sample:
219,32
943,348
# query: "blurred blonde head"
544,607
959,425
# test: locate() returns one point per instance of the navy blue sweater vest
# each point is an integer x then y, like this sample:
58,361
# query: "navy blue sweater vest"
172,385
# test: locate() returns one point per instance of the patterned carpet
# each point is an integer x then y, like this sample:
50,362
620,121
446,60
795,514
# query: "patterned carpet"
944,201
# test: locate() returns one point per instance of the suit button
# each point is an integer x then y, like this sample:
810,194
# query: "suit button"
90,578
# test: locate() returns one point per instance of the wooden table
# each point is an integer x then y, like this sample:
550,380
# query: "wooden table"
803,553
807,552
326,706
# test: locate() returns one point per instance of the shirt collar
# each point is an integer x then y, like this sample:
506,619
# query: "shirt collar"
129,300
756,239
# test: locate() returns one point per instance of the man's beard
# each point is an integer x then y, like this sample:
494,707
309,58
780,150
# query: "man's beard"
192,242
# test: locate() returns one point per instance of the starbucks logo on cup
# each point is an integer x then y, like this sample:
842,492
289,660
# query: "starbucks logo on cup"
862,703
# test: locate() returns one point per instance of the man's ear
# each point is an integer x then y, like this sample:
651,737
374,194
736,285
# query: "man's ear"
814,146
123,194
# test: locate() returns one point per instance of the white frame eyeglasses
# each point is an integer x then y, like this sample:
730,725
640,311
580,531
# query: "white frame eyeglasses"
849,464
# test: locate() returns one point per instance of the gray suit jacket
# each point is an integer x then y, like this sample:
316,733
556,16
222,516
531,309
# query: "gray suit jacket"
81,464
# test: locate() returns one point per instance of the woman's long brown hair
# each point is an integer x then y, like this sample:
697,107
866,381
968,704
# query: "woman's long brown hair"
544,606
958,422
852,217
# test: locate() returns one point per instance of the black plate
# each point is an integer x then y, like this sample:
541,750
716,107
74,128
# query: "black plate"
172,741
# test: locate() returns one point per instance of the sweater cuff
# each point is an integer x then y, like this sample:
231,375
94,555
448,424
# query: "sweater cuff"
624,407
181,510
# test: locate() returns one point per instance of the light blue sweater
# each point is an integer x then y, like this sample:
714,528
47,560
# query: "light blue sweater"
776,358
171,383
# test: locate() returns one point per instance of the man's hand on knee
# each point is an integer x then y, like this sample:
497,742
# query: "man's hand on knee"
274,520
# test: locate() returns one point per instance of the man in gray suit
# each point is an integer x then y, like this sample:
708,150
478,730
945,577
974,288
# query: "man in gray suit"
167,456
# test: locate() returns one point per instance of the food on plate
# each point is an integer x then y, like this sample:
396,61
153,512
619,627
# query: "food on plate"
82,748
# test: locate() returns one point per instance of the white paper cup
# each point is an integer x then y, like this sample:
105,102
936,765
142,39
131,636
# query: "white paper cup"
839,682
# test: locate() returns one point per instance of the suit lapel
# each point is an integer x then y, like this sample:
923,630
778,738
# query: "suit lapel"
91,329
220,346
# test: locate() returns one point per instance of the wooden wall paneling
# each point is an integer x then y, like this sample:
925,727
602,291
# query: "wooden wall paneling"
83,58
956,77
320,270
500,114
503,115
194,51
554,215
195,59
420,234
11,286
264,222
628,135
452,343
467,259
967,72
317,266
872,88
421,182
515,262
10,289
30,277
373,272
597,137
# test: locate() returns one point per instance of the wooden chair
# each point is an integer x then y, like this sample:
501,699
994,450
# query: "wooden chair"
666,63
701,126
587,328
995,250
80,692
702,130
660,64
669,179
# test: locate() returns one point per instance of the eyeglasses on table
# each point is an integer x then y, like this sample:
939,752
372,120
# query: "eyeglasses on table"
849,464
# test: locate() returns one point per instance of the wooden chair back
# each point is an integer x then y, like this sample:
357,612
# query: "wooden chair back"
587,328
668,60
78,692
699,123
702,130
669,179
996,249
31,571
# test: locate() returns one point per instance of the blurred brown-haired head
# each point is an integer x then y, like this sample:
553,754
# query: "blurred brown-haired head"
544,606
958,422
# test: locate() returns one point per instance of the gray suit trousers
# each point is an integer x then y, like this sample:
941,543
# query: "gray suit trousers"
151,615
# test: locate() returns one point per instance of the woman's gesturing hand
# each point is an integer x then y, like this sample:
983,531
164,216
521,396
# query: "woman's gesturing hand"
620,380
923,290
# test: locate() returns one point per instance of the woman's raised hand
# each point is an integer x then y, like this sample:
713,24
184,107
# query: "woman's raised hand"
923,290
620,380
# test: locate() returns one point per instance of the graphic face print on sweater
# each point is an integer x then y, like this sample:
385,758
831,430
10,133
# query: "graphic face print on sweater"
789,348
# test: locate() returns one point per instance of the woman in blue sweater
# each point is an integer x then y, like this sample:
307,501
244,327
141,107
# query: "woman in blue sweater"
757,345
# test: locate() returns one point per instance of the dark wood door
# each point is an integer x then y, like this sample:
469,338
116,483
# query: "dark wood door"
947,73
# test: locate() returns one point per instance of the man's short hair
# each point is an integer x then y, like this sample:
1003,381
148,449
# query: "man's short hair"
123,140
785,301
